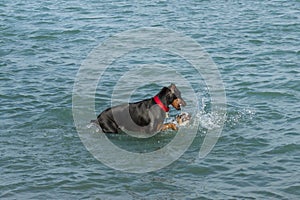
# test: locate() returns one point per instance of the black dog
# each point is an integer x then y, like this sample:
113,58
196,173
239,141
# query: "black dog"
146,116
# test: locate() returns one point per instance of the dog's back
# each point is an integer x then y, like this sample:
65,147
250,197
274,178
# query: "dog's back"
143,116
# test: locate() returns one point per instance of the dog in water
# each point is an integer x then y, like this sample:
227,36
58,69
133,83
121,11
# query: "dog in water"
146,116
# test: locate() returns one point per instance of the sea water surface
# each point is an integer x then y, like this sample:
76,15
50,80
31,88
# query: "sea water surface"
256,46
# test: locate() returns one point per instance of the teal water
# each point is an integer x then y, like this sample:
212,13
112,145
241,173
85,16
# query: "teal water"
256,48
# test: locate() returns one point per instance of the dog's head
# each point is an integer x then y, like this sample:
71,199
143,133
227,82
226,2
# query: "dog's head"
174,97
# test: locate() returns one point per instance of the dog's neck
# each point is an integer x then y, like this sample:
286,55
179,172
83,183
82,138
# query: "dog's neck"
161,104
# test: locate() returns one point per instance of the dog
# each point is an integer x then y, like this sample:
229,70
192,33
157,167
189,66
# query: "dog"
146,116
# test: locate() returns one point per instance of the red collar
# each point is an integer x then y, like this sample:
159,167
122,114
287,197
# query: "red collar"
160,104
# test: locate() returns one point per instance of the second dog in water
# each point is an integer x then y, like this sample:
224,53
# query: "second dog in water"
180,120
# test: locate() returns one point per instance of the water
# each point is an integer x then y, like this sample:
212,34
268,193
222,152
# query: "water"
256,47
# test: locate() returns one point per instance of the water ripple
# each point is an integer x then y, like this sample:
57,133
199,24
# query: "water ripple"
256,47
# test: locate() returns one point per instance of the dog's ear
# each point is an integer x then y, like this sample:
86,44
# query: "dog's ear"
165,90
172,87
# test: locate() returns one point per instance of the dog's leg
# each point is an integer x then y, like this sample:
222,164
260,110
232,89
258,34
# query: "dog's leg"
169,126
